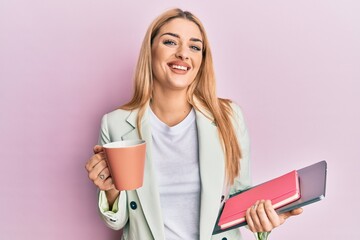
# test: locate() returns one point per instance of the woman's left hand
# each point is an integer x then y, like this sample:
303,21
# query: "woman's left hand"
262,217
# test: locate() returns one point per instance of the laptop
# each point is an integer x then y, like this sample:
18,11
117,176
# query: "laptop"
312,181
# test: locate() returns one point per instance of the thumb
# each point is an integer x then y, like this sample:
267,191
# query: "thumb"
294,212
97,149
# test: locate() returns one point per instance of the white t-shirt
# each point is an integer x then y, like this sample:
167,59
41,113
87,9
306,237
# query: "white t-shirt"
176,162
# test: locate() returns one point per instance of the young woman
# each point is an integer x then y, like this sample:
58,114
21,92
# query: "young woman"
197,144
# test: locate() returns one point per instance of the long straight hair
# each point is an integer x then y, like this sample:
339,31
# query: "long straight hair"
201,93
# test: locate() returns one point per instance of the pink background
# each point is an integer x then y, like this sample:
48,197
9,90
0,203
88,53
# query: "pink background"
294,67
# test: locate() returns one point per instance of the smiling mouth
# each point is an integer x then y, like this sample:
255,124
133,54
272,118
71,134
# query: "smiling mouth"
179,67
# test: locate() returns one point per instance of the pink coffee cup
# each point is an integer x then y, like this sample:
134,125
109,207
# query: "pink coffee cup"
126,160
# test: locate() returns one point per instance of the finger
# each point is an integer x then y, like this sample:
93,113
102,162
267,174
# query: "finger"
249,220
100,183
272,215
107,184
266,225
104,174
97,169
94,160
255,217
97,149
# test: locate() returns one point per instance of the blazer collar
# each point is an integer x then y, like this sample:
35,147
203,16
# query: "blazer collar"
212,169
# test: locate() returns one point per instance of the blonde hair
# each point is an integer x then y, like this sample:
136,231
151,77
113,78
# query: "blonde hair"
201,93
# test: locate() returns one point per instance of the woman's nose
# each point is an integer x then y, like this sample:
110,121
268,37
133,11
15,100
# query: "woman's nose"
182,53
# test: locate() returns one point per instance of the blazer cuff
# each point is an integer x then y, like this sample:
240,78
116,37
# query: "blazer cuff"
116,217
262,235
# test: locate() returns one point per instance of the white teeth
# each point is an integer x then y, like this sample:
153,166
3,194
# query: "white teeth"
179,67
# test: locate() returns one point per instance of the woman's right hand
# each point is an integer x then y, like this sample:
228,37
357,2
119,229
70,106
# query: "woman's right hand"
99,173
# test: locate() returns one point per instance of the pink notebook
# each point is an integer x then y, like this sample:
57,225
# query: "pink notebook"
281,191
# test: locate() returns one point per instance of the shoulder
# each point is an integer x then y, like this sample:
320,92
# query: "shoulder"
118,114
231,108
235,107
118,119
238,116
235,112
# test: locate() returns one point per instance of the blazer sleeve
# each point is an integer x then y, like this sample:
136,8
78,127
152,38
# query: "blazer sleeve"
243,181
117,217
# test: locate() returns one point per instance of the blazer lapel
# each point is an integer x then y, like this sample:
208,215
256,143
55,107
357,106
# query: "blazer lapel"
212,173
148,194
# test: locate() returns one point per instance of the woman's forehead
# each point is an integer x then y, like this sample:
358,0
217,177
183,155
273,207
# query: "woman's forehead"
181,27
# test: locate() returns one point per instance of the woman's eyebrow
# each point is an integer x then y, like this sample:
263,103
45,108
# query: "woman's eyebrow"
195,40
177,36
171,34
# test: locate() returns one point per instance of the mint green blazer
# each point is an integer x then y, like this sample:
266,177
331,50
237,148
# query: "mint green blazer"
138,212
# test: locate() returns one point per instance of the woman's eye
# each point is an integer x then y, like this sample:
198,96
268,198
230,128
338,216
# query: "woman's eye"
169,42
196,48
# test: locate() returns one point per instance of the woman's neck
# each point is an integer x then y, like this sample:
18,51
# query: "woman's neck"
171,109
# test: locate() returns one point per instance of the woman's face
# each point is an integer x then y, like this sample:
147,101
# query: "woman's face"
176,54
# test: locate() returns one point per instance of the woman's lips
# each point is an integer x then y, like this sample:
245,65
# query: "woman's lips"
179,67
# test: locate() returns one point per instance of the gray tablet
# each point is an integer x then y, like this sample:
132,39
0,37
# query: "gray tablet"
312,181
